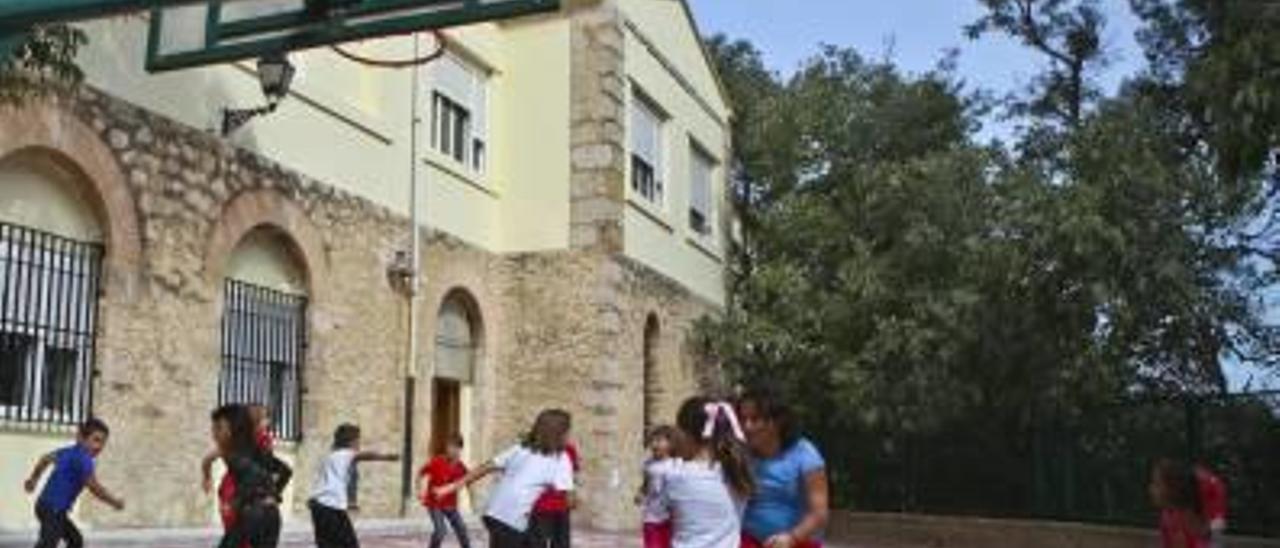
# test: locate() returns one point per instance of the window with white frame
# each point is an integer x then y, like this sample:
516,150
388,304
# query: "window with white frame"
48,314
646,151
459,112
702,168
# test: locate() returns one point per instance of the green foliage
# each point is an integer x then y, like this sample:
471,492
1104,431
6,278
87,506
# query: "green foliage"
43,63
897,276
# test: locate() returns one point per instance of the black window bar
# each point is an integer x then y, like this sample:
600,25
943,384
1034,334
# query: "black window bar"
264,341
49,288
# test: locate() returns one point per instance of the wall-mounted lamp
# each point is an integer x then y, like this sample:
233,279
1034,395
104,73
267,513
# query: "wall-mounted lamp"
400,273
275,74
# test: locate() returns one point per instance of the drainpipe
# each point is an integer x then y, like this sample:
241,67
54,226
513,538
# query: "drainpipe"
415,254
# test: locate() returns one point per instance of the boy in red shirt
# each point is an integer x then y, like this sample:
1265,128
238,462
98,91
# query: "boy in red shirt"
440,471
550,527
227,487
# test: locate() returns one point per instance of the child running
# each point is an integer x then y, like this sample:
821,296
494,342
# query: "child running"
73,470
1174,491
705,489
440,471
550,527
536,464
260,479
657,520
329,500
261,417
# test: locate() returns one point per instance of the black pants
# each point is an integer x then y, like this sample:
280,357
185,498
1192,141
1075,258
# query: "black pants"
443,519
258,525
502,535
549,530
56,527
332,527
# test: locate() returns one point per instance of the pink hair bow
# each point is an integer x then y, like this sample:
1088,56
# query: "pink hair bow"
715,410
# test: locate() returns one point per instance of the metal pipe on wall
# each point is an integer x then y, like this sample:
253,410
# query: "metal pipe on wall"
415,254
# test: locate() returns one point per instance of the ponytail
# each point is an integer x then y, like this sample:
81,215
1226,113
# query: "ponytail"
714,424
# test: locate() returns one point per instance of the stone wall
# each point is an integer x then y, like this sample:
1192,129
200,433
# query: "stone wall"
560,329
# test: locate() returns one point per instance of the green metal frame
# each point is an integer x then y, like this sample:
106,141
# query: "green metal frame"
312,30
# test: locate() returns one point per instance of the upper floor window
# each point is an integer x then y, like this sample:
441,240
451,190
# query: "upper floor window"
701,191
459,112
646,151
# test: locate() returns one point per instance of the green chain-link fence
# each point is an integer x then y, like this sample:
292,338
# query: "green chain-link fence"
1088,465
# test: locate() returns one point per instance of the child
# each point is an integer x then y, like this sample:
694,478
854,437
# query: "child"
260,479
1213,503
73,470
528,469
1175,492
657,521
261,417
550,527
328,502
443,470
705,489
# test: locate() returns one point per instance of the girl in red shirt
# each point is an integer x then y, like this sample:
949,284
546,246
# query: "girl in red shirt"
440,471
1175,491
261,417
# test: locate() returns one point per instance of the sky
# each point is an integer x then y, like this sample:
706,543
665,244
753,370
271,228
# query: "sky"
915,34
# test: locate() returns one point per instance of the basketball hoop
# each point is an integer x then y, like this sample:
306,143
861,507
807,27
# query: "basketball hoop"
442,45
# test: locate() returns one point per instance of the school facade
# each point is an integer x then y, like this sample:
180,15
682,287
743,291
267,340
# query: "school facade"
571,171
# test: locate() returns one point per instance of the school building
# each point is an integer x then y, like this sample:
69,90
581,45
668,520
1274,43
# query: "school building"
571,169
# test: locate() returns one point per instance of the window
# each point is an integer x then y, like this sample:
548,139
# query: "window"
455,340
459,108
263,346
701,189
48,311
646,151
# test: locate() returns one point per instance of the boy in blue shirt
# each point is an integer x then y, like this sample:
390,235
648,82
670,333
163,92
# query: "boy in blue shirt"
73,471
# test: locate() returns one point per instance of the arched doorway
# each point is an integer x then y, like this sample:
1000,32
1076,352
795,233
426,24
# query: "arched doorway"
652,334
457,351
264,328
51,252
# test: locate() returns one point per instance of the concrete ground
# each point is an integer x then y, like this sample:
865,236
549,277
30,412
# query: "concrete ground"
372,535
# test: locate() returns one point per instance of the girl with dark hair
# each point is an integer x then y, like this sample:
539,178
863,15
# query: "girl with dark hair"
791,504
704,489
527,470
1175,491
260,479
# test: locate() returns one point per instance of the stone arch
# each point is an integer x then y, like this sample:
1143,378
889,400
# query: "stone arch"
652,375
458,361
53,132
463,301
264,209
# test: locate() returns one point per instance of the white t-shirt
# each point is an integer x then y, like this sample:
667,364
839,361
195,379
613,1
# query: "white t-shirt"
704,511
525,475
654,510
330,488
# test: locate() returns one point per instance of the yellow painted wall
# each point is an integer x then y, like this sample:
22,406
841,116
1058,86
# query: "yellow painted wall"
660,235
264,259
20,452
344,124
534,145
36,193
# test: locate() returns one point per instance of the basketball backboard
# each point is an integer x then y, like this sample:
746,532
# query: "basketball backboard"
221,31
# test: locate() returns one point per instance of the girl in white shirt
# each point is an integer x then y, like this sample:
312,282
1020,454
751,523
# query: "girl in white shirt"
705,490
528,469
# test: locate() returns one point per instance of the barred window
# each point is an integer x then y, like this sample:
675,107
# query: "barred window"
264,342
48,316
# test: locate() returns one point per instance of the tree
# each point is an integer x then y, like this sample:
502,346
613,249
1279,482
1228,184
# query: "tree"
43,62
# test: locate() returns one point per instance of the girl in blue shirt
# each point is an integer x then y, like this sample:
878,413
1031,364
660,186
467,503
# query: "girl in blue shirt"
790,506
